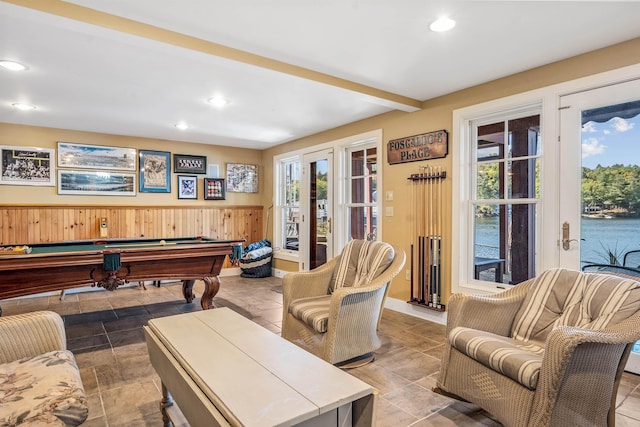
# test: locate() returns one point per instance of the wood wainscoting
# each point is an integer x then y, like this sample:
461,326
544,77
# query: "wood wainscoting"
45,224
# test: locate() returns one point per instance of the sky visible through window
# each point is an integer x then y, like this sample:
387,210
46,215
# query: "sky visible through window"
616,142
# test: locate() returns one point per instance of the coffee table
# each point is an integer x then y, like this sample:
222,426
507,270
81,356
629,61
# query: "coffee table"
225,370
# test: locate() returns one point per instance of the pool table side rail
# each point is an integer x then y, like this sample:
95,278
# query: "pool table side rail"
22,275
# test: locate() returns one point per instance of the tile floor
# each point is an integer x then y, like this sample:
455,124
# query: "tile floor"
104,330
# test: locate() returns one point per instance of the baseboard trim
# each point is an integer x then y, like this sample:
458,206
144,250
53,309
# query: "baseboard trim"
416,311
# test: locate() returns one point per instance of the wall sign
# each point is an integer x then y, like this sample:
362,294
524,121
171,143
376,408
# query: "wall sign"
426,146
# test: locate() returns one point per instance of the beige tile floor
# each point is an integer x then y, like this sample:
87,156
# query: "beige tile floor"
104,330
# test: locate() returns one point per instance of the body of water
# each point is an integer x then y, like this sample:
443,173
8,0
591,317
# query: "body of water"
599,237
615,235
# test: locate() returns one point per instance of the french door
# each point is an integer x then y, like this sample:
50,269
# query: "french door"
317,220
600,185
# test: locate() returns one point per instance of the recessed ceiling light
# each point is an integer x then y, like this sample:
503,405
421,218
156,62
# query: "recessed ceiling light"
218,101
24,107
442,24
12,65
182,126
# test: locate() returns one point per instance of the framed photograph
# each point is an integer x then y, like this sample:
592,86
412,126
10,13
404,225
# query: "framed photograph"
155,171
242,178
98,183
187,187
27,166
214,189
83,156
183,163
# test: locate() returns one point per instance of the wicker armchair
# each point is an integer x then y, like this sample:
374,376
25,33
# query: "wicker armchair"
548,352
334,311
39,379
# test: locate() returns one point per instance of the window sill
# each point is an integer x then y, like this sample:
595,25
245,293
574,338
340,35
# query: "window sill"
286,255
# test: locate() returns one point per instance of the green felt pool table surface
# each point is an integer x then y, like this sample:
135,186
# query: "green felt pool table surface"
121,244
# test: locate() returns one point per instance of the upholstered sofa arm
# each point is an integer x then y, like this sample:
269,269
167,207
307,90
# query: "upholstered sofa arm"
490,313
30,334
577,361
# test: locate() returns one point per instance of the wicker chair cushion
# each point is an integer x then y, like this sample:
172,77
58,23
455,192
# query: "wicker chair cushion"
562,297
313,311
519,361
360,262
42,390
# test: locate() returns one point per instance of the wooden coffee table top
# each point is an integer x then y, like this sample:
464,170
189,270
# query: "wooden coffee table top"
251,373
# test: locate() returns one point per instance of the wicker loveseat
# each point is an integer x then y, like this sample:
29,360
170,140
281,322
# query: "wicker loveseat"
334,310
548,352
39,380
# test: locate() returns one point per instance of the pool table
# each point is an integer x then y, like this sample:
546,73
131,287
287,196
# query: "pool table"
109,263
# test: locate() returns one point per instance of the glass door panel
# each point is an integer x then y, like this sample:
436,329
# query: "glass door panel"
600,204
319,215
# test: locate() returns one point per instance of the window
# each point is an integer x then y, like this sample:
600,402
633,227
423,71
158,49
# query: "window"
344,195
361,192
287,212
503,200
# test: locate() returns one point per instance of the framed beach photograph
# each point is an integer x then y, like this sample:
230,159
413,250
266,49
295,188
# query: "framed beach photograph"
214,189
97,183
81,156
187,187
27,166
155,171
242,178
183,163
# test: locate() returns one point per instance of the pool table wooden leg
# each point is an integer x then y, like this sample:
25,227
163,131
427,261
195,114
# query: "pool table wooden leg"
211,288
187,290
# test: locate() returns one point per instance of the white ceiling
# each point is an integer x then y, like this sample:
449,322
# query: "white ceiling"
92,78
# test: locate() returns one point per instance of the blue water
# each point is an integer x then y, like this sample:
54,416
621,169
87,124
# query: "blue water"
599,236
617,235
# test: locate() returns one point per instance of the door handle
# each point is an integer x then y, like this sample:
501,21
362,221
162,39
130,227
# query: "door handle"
329,225
566,241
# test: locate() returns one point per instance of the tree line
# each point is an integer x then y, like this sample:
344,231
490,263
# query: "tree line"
614,188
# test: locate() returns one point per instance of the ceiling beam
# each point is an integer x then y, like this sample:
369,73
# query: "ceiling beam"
124,25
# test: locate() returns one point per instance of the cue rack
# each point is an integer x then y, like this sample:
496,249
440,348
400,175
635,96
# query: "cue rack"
426,234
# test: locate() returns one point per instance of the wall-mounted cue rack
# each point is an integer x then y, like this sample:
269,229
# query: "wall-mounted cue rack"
426,234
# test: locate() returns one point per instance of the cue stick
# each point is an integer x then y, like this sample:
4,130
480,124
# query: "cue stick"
411,233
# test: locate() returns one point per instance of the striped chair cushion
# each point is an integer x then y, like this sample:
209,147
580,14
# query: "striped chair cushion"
519,361
360,262
561,297
313,311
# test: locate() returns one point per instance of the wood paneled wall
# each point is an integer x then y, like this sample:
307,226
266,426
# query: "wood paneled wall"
44,224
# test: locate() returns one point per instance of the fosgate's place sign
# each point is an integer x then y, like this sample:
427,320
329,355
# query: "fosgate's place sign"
426,146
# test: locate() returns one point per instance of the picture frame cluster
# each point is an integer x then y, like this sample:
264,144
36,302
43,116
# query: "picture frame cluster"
84,169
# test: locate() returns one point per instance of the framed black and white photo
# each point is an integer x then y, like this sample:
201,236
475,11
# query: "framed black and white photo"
214,189
242,178
187,187
183,163
155,171
97,183
27,166
81,156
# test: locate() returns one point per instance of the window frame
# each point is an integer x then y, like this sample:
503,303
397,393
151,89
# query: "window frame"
279,165
464,186
341,171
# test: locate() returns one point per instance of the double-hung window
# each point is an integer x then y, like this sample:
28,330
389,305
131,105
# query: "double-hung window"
361,192
287,209
503,200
